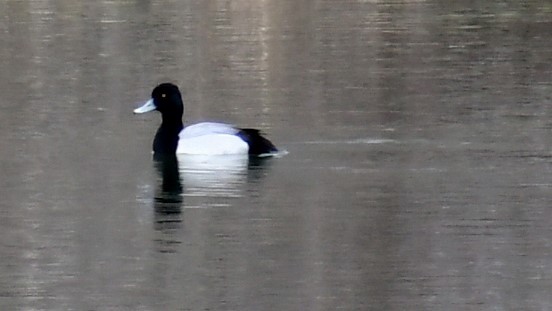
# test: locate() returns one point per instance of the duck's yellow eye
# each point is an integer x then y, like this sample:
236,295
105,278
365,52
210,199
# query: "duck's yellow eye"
163,95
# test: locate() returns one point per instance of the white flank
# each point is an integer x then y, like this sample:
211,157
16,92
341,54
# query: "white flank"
212,144
207,128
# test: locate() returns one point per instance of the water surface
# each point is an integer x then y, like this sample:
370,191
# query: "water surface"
418,174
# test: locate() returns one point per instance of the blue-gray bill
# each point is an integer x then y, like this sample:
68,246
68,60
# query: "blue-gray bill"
147,107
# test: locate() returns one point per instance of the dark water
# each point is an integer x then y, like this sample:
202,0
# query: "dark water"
418,175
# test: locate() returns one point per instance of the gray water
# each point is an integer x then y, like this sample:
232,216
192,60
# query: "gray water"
418,173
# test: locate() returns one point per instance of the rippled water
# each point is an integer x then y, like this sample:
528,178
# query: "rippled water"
418,174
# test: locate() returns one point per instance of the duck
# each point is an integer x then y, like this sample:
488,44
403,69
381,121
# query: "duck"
205,138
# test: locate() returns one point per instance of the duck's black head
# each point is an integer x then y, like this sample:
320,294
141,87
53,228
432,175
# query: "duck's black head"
165,98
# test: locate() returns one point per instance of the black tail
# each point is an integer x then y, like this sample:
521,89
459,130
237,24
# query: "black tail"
257,144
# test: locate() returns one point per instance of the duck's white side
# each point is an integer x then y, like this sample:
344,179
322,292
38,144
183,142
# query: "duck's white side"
210,138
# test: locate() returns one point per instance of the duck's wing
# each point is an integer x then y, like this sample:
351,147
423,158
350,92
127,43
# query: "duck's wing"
207,128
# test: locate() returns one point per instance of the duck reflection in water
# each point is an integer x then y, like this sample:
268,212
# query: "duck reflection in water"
206,181
168,195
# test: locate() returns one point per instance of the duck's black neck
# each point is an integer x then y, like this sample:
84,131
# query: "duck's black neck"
166,139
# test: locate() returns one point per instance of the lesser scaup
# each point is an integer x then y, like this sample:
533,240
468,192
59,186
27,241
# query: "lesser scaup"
206,138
